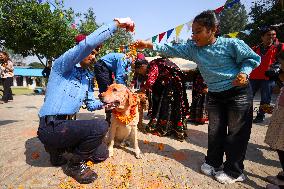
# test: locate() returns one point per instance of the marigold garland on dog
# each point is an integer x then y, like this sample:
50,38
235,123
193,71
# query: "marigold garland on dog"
126,119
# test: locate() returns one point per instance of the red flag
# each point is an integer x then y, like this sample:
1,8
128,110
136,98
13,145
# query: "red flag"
161,35
220,9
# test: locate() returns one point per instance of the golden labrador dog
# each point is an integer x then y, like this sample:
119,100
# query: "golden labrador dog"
125,116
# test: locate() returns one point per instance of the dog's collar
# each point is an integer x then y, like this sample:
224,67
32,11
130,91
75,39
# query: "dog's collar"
126,119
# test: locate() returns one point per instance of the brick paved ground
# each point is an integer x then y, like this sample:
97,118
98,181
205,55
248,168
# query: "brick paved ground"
166,163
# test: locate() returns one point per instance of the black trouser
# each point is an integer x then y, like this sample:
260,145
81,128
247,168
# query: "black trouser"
281,158
83,136
7,83
103,75
104,79
230,120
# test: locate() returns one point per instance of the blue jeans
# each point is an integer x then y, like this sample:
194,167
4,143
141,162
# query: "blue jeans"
265,87
84,137
230,120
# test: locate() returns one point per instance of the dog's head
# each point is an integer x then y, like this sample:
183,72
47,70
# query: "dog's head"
117,96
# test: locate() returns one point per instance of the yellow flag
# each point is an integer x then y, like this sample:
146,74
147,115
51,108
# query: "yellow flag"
178,29
233,35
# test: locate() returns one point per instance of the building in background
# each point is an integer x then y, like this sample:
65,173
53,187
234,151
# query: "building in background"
27,77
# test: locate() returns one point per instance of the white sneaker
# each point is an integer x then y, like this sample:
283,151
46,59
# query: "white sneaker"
207,169
223,178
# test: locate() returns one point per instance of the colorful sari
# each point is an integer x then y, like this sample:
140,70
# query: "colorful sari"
168,106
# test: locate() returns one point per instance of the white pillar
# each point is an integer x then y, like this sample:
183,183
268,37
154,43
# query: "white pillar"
14,81
24,81
33,85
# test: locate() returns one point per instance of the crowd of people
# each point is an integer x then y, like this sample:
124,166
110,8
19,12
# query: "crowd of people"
229,74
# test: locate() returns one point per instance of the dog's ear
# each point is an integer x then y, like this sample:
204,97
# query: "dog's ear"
132,98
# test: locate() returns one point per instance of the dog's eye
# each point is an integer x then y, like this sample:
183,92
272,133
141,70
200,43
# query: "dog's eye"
114,90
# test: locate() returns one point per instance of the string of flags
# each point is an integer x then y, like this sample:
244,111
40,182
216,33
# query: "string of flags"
188,25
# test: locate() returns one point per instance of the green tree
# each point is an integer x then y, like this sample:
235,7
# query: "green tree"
36,65
265,13
233,19
31,28
88,24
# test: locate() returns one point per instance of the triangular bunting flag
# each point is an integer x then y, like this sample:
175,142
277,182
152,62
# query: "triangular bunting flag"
219,10
154,38
169,32
233,35
40,1
161,35
247,32
188,26
178,29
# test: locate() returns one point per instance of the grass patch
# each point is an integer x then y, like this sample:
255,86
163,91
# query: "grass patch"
20,90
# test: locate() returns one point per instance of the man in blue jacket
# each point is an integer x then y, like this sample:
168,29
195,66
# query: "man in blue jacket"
112,63
68,88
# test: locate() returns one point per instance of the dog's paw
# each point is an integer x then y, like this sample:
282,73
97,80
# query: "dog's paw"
138,155
110,152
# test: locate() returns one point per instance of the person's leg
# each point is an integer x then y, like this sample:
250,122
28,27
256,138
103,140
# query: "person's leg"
5,90
104,79
103,76
266,92
281,159
240,113
84,136
217,129
157,91
10,83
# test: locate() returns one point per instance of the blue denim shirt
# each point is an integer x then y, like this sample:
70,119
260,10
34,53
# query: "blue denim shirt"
118,64
219,63
70,86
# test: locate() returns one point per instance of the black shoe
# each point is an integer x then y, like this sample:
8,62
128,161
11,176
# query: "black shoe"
258,119
81,172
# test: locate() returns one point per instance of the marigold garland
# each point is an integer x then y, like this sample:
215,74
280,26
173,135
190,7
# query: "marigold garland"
126,119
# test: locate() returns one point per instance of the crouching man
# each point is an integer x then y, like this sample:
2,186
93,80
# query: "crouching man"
68,88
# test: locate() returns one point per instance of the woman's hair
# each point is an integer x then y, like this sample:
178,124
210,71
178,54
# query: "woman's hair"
6,56
139,63
207,19
265,29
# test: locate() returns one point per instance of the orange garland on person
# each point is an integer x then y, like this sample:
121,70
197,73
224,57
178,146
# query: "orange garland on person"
126,119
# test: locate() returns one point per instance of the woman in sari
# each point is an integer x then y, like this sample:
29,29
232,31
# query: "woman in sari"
169,104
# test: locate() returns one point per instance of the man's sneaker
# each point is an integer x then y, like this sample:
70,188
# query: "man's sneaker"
81,172
207,169
223,178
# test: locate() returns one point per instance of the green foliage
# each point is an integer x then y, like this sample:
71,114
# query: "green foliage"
36,65
233,19
32,28
265,13
149,53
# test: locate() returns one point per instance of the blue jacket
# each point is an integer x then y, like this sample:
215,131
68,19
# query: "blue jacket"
118,64
219,63
70,86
